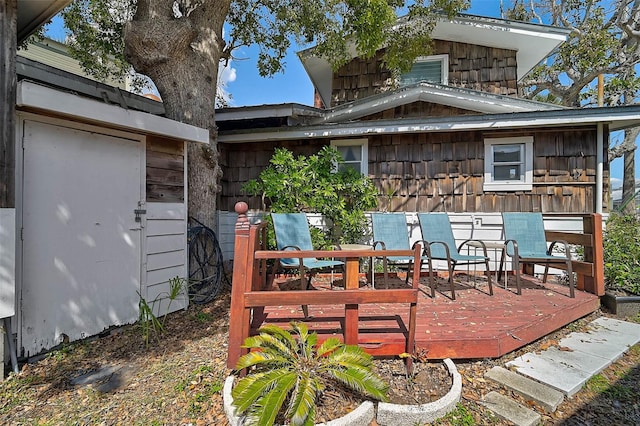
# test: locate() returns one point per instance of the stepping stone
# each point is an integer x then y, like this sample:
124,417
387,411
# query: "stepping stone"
508,409
565,378
588,362
543,395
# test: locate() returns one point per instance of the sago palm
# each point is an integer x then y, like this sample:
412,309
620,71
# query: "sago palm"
286,369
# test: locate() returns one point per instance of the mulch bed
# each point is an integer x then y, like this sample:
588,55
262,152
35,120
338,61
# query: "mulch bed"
177,380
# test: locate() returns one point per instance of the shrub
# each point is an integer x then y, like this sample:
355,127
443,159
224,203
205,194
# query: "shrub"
295,371
622,253
318,183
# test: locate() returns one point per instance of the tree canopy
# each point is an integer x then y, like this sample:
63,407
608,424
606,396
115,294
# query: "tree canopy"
605,40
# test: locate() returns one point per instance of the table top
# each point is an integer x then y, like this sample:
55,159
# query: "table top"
487,244
355,247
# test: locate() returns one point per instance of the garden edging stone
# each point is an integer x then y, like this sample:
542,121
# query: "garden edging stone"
402,415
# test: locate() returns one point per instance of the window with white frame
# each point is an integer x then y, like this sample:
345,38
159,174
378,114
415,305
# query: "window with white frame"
434,69
508,164
354,153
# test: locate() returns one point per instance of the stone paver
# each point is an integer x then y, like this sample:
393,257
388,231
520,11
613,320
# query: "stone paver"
545,396
508,409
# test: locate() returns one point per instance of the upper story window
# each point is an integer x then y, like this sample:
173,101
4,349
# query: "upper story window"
508,164
354,153
433,69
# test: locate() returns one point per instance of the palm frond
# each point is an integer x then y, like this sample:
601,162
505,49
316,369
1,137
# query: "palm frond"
260,358
269,405
328,346
271,343
248,391
350,355
283,334
303,400
362,381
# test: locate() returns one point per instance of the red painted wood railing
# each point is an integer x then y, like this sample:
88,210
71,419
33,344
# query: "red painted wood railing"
249,295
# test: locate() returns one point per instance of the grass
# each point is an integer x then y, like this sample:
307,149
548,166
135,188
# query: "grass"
460,416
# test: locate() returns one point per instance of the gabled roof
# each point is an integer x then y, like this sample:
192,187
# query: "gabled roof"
32,14
472,100
532,42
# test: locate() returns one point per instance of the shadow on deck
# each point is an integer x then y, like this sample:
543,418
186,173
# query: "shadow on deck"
475,325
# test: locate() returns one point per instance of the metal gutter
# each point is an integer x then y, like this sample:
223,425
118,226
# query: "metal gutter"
617,117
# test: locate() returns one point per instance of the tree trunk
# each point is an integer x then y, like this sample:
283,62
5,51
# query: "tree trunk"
629,183
181,56
8,35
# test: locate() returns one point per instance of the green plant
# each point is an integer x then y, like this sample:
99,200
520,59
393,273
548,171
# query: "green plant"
296,370
318,183
147,319
622,253
461,416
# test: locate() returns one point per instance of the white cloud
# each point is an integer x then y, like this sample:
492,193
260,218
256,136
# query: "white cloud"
226,74
615,183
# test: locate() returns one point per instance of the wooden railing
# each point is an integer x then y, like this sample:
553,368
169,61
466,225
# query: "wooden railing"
250,295
590,270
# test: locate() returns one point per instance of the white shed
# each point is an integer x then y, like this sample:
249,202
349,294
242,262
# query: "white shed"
101,215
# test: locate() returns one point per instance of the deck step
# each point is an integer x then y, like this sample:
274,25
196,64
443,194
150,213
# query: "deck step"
545,396
508,409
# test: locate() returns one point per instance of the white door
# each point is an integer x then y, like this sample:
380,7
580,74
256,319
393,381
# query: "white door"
81,243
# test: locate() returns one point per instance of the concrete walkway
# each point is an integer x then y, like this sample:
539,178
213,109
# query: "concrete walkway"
551,375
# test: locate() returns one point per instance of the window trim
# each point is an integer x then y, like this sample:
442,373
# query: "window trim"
508,185
363,143
444,70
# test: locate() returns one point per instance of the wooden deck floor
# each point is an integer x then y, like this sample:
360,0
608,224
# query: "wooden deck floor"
475,325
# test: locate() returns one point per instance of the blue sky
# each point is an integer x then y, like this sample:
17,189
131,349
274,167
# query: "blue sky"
293,85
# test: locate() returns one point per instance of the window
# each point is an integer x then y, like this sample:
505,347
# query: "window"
508,164
354,153
434,69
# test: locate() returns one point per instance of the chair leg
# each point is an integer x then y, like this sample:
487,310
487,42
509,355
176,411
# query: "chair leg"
546,272
489,277
572,292
518,283
451,284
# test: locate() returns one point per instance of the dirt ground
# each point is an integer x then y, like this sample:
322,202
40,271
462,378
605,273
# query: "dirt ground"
177,379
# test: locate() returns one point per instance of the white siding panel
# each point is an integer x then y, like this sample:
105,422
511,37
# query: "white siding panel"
7,262
159,276
173,211
166,227
157,298
165,260
163,243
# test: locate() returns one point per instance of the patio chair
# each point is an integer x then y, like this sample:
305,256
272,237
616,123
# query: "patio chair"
292,233
525,242
437,233
390,233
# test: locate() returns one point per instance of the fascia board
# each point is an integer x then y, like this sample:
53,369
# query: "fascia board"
583,117
36,97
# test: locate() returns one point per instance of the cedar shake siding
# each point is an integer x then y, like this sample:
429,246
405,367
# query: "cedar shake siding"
445,171
481,68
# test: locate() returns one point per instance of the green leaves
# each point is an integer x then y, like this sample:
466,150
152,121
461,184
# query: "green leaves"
622,253
317,183
298,375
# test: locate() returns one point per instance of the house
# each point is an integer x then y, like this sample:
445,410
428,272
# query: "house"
99,217
450,136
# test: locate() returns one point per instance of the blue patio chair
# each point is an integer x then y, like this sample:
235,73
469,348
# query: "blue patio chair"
292,233
390,233
437,233
525,242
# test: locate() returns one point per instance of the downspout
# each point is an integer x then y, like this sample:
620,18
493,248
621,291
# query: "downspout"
600,149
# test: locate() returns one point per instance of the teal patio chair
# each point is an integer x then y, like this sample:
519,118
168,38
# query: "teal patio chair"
525,242
292,233
390,233
437,233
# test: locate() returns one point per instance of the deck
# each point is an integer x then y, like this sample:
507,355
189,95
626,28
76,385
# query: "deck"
475,325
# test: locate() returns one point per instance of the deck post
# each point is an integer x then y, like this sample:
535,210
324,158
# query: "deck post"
242,281
592,224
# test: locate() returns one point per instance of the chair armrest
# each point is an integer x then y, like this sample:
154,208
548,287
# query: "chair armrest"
472,240
515,247
381,243
567,249
446,247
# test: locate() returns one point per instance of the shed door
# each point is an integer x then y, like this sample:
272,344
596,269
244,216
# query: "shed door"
81,249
